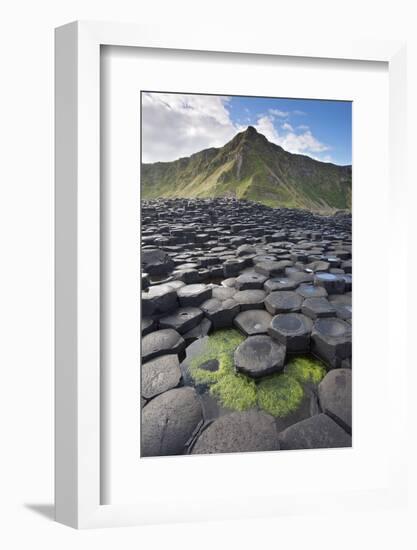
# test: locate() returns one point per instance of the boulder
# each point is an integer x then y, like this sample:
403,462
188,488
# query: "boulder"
161,342
316,432
168,422
238,432
159,375
335,397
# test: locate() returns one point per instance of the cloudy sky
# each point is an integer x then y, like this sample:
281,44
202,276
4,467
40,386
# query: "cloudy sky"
178,125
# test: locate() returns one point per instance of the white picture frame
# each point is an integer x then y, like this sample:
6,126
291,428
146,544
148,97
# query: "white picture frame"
77,243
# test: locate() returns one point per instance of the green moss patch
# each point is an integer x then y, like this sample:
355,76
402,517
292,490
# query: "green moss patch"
220,345
306,369
235,391
280,394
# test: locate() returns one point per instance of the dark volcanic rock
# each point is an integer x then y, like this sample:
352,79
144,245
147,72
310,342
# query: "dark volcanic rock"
280,283
250,299
148,325
161,342
272,268
331,340
318,307
334,284
159,375
220,313
317,432
238,432
292,330
200,331
156,262
159,299
249,281
168,422
335,396
193,295
253,321
259,355
182,320
223,293
284,301
307,290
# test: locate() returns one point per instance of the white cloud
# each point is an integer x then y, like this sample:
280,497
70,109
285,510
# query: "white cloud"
301,143
287,126
276,112
178,125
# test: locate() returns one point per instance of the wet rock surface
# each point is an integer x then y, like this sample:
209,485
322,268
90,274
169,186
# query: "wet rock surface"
282,277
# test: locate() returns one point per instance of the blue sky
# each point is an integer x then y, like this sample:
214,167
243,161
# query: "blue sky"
330,122
175,125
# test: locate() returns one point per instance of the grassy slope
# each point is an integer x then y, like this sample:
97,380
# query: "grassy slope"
250,167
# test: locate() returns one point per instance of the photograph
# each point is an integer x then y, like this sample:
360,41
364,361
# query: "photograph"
246,273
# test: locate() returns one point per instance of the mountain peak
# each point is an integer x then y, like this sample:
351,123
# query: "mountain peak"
250,130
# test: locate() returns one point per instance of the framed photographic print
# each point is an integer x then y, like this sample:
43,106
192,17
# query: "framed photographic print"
215,199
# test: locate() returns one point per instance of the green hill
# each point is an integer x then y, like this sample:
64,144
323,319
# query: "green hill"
250,167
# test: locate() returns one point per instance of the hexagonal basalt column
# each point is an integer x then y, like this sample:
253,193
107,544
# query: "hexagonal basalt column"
317,432
318,307
331,340
161,342
280,283
220,313
253,321
250,281
259,355
283,302
250,299
158,299
334,284
182,320
335,396
293,330
232,267
193,295
272,268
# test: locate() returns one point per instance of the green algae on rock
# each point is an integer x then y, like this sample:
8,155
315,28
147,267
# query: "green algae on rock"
219,345
279,394
306,369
